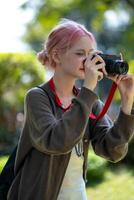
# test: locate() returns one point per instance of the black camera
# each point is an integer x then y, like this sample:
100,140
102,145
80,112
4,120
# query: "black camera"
114,64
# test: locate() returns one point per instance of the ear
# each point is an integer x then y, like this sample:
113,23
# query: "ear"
56,56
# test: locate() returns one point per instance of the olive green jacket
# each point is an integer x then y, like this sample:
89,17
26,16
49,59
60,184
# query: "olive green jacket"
49,134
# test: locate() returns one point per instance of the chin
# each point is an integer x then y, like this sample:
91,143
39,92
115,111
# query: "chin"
81,75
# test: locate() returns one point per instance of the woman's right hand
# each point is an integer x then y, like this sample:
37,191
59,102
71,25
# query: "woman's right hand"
93,71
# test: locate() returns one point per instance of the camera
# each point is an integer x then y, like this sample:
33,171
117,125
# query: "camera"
114,64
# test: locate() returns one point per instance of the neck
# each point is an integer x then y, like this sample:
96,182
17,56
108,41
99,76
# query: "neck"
63,85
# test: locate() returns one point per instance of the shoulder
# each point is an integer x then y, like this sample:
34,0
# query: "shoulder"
35,91
40,90
36,94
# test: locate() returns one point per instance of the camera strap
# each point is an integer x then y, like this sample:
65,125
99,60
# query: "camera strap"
76,91
107,103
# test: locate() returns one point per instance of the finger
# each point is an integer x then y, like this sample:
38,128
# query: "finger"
98,52
112,77
104,70
100,76
119,79
90,56
129,78
94,53
101,67
97,58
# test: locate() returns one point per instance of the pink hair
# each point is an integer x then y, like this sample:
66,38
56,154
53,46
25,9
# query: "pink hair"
61,38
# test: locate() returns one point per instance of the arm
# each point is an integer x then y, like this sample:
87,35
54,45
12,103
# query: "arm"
110,139
57,136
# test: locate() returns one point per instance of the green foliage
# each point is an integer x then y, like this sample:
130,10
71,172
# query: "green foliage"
48,13
92,14
131,66
5,136
3,161
96,168
19,72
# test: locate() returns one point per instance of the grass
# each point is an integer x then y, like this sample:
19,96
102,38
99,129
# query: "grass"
118,185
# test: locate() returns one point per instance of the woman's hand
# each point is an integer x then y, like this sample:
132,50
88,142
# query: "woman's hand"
125,85
93,71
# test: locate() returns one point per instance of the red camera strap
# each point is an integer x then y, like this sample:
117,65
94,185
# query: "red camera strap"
76,91
107,103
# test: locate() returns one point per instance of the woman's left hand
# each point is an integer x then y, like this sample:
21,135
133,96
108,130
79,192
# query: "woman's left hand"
125,84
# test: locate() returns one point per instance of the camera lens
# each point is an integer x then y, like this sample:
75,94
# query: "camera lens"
114,64
120,67
114,67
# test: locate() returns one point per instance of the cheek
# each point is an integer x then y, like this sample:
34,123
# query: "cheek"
77,60
72,62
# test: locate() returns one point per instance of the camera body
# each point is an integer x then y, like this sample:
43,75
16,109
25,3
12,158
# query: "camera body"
114,64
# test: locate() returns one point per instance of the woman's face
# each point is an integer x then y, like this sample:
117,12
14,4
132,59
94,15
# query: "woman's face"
72,62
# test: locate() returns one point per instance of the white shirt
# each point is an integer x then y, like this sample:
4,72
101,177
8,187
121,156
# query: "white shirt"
73,185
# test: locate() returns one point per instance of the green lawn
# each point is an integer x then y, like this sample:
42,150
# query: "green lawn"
118,185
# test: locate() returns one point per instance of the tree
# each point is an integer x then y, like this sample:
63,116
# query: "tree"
19,72
92,14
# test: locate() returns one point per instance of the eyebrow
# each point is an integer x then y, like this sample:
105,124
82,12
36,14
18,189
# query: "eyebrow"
84,50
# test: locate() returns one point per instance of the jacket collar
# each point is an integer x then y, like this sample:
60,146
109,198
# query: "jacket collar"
50,86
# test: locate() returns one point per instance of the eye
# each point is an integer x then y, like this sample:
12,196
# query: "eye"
79,53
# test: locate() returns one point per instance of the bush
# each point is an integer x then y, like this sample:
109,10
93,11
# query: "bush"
19,72
96,168
5,136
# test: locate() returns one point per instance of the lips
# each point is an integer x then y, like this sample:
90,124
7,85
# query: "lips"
81,68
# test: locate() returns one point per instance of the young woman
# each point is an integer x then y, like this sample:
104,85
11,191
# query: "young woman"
52,152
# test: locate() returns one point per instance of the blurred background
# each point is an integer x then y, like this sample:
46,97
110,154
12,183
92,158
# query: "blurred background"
24,26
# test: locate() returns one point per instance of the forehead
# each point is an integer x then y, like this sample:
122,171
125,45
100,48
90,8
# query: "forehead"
83,43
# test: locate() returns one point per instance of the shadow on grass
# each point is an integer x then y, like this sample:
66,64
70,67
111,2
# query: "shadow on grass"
94,183
114,168
119,168
96,177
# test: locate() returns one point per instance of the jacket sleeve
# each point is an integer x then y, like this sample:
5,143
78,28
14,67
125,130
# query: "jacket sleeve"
57,136
110,139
